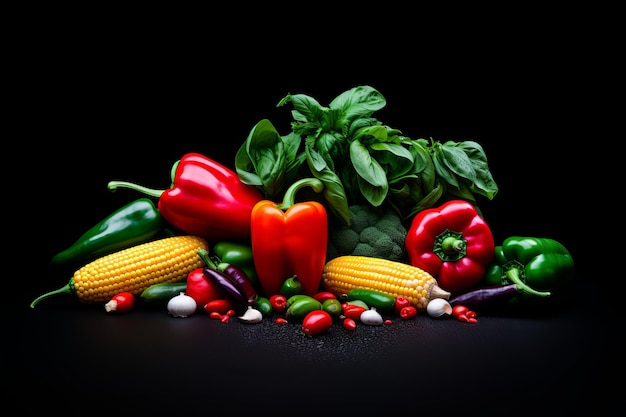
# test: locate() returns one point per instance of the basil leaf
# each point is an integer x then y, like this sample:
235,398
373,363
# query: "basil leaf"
371,177
305,108
333,192
483,182
262,160
367,167
457,161
397,159
441,168
372,193
359,102
423,164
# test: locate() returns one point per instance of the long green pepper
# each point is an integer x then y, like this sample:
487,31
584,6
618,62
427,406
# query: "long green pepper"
135,223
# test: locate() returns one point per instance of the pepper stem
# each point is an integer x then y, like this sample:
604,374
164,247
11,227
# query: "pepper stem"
204,255
450,246
290,194
513,274
114,185
67,289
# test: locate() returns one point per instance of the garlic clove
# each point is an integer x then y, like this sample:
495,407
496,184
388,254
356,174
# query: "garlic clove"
438,307
371,317
251,315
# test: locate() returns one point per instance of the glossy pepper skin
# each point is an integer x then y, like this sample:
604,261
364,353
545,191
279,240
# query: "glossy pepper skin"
452,242
134,223
239,254
206,199
540,267
290,239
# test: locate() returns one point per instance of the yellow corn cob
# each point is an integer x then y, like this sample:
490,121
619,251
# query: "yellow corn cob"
134,269
394,278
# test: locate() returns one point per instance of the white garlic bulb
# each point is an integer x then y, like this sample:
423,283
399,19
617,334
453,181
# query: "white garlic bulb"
181,305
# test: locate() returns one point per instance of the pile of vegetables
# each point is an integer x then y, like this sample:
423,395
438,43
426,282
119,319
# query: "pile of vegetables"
342,218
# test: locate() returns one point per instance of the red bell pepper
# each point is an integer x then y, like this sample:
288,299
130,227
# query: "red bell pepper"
290,239
452,242
206,199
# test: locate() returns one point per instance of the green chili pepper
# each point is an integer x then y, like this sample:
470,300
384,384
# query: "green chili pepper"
264,305
160,294
382,301
302,306
137,222
540,267
291,286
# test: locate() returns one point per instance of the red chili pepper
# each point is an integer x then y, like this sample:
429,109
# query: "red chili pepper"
352,311
462,313
120,303
401,302
349,324
453,243
324,295
281,320
279,303
290,239
206,199
221,306
408,312
216,316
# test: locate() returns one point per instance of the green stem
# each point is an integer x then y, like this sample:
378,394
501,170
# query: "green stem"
290,194
452,245
114,185
513,274
204,255
67,289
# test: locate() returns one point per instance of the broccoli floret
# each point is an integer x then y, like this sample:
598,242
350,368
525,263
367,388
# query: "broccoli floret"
373,231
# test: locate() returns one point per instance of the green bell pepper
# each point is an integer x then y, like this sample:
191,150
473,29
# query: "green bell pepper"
136,222
239,254
540,267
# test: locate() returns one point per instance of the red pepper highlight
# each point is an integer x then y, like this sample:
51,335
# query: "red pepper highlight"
453,243
206,199
290,239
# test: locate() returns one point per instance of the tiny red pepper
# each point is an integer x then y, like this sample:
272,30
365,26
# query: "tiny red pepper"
451,242
324,295
290,239
408,312
349,324
401,302
215,315
120,303
352,311
463,313
279,303
206,199
220,305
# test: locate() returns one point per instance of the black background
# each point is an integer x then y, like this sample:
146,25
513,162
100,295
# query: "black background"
94,105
